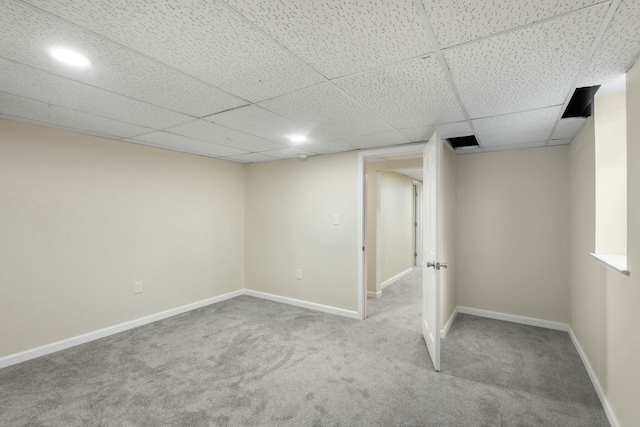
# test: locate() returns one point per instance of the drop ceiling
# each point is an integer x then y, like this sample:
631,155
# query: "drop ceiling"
234,79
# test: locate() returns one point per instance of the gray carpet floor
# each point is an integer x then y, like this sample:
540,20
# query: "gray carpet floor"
248,361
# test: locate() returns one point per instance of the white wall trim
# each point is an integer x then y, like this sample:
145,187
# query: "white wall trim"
374,294
594,379
33,353
394,278
444,331
515,318
304,304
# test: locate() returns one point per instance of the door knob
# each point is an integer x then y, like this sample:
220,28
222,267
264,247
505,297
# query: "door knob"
432,264
441,265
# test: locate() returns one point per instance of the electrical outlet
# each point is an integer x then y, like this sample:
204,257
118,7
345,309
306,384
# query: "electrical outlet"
137,287
299,274
336,219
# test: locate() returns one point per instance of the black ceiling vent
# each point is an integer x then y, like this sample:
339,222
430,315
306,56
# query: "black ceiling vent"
581,104
463,141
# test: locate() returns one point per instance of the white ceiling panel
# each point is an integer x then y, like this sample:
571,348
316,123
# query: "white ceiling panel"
554,142
187,145
568,128
27,34
380,139
328,147
258,121
619,46
327,109
530,68
447,130
288,153
460,21
518,128
474,150
41,86
341,37
30,110
216,134
535,144
205,39
251,158
408,94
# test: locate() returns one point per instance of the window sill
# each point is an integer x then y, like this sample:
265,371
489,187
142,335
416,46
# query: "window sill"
616,262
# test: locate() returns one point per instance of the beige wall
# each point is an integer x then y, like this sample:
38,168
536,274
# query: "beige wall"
395,224
448,300
289,208
82,218
513,232
605,315
611,174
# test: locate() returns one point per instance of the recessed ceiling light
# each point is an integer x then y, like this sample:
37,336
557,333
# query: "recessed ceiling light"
297,139
70,57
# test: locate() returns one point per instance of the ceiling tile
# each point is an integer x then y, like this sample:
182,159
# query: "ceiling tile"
258,121
251,158
49,88
340,37
518,128
408,94
26,35
459,21
205,39
559,142
462,152
530,68
618,48
287,153
447,130
523,146
568,128
55,116
327,109
187,145
380,139
328,147
216,134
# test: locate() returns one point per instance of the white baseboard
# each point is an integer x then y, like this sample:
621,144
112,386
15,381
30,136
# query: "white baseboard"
394,278
594,379
23,356
444,331
514,318
304,304
374,294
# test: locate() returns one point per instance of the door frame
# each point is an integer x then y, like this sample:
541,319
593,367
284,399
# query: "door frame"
361,225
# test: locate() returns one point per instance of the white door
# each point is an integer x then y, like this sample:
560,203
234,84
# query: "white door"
431,197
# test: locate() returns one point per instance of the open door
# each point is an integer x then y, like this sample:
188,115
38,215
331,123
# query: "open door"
431,198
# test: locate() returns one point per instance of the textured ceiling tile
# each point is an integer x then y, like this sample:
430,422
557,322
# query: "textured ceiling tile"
258,121
560,142
328,110
530,68
328,147
408,94
340,37
377,139
468,151
187,145
287,153
54,116
535,144
216,134
519,128
27,35
568,128
619,46
459,21
447,130
49,88
251,158
206,39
